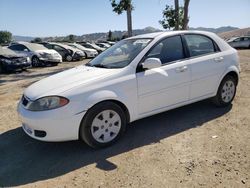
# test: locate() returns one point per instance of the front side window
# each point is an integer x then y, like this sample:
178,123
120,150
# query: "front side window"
199,45
58,48
168,50
120,55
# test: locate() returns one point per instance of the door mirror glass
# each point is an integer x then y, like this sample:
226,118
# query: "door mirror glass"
151,63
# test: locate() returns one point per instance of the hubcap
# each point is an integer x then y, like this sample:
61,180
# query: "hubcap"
228,90
68,58
106,126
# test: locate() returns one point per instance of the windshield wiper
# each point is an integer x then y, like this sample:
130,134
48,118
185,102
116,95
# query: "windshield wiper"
100,66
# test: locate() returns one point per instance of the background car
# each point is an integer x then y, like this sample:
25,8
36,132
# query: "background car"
11,61
103,45
68,53
92,46
240,42
38,54
89,53
136,78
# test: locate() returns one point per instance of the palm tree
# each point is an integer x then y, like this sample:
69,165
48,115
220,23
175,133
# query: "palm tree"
120,7
186,19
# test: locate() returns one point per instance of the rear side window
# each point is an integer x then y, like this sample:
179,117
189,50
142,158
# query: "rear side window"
168,50
199,45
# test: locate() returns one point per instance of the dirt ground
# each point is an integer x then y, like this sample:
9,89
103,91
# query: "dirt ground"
198,145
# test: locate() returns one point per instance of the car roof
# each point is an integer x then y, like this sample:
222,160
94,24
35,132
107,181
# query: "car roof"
169,33
31,46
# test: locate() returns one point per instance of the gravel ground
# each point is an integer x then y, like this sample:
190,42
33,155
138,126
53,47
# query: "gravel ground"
198,145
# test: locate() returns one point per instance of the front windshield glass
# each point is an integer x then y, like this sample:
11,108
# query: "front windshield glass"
121,54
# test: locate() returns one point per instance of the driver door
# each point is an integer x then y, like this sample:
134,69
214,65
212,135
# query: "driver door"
165,86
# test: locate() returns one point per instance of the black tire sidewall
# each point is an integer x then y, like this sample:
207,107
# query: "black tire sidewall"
32,62
219,96
85,128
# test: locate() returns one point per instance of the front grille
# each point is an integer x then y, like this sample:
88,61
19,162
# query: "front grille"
24,101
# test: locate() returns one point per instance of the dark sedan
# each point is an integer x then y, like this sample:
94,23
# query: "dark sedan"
11,61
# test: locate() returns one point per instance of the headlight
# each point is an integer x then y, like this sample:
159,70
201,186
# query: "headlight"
45,55
47,103
28,60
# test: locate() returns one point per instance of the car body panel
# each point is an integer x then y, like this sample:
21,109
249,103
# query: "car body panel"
143,93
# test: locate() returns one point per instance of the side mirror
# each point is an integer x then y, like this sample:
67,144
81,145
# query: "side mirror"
26,50
151,63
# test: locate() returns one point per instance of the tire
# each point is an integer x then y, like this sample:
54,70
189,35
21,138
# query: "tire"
86,55
226,92
54,64
1,68
35,62
98,129
69,58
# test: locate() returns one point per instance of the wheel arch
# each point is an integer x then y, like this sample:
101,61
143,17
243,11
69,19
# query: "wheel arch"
118,102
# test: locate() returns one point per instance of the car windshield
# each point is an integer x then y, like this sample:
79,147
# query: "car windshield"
121,54
232,39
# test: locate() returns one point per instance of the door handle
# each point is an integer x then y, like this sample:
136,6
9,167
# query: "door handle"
218,59
181,69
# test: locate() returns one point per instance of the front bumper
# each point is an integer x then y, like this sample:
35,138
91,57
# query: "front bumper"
92,54
16,66
51,60
52,125
77,56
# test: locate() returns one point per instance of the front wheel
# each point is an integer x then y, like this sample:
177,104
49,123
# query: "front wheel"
35,61
103,125
69,58
226,92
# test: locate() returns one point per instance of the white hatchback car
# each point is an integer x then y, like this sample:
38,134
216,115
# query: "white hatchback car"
137,77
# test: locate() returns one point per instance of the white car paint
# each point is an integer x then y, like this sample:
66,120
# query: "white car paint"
144,93
44,54
88,51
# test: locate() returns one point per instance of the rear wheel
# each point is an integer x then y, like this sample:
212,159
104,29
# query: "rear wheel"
86,55
226,92
35,61
103,125
69,58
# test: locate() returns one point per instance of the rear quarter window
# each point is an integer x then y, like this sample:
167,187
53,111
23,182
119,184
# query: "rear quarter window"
200,45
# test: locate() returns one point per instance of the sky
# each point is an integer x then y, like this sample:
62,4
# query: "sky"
41,18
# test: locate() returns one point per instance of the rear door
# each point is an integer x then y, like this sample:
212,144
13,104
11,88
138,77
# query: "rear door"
63,52
167,85
207,65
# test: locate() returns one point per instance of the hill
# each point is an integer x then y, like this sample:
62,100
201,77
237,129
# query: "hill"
22,38
215,30
120,34
235,33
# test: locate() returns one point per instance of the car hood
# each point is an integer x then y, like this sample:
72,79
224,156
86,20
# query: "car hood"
66,80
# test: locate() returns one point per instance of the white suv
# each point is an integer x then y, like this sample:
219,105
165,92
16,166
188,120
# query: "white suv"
137,77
